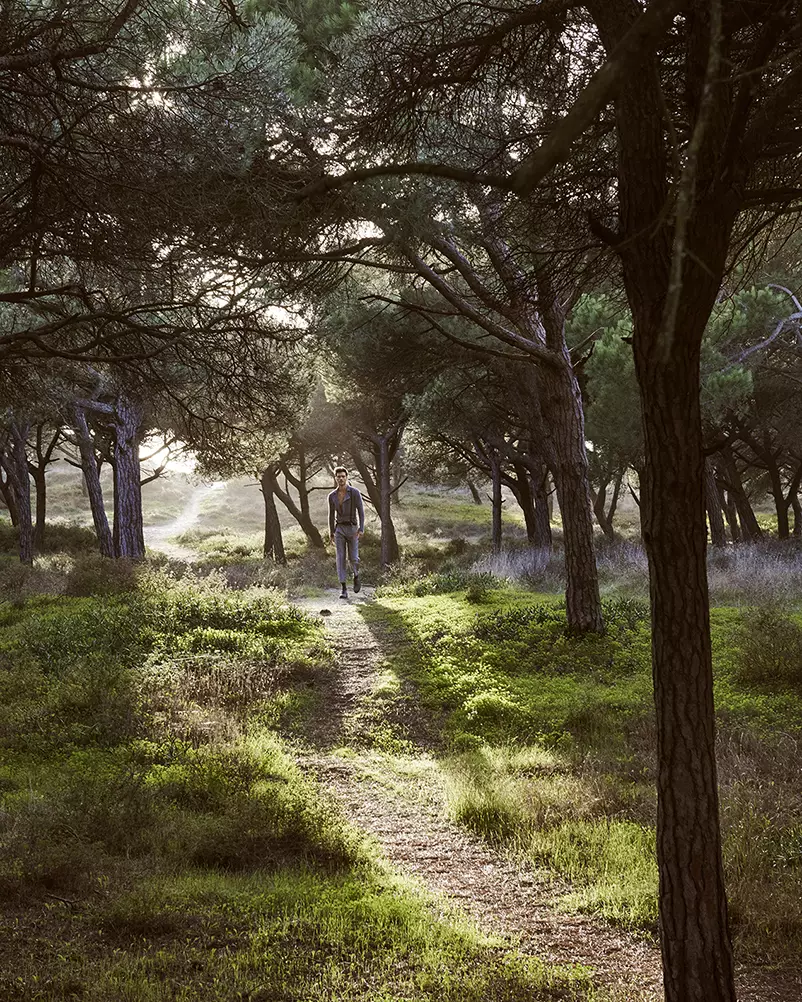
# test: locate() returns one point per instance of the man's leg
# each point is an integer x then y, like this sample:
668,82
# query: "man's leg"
354,547
340,545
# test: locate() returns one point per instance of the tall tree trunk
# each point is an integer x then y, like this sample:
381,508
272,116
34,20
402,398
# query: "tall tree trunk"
697,956
718,534
477,497
128,530
495,478
91,480
274,542
15,464
569,467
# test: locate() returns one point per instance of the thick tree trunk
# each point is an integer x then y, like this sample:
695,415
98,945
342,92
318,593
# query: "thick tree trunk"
477,497
718,534
697,955
128,530
569,467
273,547
91,480
495,479
15,464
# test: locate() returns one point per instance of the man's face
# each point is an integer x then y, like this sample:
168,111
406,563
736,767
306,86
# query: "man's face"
342,479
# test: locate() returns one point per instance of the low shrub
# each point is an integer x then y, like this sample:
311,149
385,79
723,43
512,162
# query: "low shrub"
769,643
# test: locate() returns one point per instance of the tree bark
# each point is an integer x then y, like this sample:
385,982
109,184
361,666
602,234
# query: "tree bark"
299,512
91,479
273,547
543,538
718,534
477,497
569,467
750,528
7,493
128,530
379,497
15,464
797,509
497,501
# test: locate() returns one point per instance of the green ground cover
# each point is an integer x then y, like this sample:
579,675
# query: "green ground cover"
157,840
548,743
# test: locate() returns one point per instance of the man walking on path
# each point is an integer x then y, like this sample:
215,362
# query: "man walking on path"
346,527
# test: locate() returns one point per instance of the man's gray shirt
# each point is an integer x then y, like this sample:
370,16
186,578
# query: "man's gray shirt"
350,512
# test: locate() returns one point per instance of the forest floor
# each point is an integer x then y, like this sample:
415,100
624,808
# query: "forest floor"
162,537
390,787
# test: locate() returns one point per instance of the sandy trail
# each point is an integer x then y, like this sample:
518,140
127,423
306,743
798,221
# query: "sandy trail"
159,537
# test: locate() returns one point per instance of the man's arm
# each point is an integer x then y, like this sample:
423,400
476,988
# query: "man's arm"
331,516
361,509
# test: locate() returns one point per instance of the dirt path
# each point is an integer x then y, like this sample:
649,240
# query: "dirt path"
159,537
401,803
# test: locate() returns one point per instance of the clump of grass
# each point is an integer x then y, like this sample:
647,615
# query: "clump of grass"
769,645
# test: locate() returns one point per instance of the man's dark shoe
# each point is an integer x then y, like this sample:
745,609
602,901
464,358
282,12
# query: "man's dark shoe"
344,592
357,582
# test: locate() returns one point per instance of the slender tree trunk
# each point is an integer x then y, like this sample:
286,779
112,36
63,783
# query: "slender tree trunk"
731,513
495,477
389,544
128,529
569,467
299,513
274,542
797,509
380,498
7,493
40,486
15,464
523,495
750,529
780,503
718,535
477,497
543,539
91,480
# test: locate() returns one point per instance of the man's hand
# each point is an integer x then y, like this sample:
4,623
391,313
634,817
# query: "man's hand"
359,534
331,538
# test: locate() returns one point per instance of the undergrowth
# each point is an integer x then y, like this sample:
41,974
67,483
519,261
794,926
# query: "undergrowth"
158,841
550,743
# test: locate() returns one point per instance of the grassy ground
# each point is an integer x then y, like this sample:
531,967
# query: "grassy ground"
157,841
548,743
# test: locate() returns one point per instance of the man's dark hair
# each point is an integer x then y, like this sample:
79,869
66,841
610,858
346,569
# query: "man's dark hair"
340,469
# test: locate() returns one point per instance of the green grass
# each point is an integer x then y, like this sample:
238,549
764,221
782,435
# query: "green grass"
549,744
158,841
